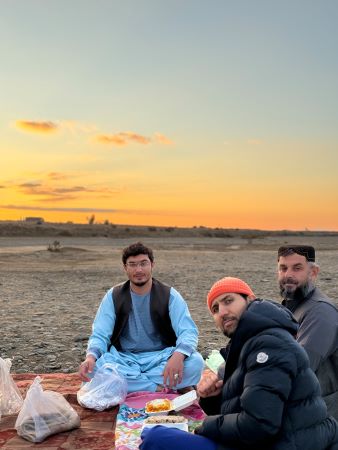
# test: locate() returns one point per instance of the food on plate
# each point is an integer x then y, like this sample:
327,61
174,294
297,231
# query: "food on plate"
158,405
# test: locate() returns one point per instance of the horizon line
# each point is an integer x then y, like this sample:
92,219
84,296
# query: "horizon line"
282,230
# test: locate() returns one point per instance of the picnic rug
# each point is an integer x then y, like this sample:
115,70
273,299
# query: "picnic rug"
112,429
97,431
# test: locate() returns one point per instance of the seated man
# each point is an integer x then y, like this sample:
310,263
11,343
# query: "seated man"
270,398
317,316
145,328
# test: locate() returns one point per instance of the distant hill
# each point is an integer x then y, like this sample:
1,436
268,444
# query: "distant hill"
41,228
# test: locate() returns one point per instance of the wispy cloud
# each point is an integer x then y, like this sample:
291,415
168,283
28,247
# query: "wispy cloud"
57,193
45,127
110,139
122,139
58,186
125,138
55,208
134,137
94,210
161,139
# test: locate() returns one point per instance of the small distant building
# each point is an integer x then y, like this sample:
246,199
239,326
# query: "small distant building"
36,220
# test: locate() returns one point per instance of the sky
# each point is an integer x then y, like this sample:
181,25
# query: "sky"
180,113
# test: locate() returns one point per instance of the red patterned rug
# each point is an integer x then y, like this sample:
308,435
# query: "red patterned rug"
97,428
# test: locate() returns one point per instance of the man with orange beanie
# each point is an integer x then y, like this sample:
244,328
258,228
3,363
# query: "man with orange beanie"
211,383
270,398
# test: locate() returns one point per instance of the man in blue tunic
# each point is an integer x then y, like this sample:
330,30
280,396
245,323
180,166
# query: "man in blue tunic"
145,328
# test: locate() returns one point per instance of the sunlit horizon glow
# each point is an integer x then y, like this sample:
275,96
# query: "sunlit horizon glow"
170,114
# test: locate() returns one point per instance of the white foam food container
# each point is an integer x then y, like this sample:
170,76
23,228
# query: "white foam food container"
183,401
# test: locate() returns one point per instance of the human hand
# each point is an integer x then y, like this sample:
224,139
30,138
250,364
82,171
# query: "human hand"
173,371
209,385
87,367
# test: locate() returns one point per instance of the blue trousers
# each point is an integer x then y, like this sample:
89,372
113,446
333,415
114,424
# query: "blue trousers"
164,438
143,371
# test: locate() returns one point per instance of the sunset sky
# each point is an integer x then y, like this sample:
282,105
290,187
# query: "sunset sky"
170,112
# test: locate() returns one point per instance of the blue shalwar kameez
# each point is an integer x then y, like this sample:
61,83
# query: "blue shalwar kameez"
143,356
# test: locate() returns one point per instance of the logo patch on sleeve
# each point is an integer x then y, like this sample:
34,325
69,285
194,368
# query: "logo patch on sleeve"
262,358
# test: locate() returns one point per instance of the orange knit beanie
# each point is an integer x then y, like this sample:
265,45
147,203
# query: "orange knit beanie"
228,284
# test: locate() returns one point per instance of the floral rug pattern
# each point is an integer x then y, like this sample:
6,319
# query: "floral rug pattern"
132,414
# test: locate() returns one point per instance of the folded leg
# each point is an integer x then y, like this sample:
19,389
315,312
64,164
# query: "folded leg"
163,438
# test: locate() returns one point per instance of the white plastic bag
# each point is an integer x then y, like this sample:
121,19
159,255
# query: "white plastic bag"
44,413
106,389
10,397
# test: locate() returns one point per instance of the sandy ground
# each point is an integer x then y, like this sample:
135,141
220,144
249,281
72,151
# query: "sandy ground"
49,299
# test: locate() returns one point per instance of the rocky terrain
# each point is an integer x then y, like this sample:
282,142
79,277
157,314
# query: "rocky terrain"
49,296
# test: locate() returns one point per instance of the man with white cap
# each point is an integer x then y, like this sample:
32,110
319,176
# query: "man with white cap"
270,397
316,313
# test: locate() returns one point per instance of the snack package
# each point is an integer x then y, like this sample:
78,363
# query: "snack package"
10,397
106,389
214,360
44,413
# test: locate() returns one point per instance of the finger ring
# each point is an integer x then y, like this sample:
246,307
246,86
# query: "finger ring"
176,376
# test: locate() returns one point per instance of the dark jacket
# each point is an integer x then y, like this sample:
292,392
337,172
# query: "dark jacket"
318,334
271,398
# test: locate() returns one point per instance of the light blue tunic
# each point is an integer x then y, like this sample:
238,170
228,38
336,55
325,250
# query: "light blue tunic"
140,333
143,355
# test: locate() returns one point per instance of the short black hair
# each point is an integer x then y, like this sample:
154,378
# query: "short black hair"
137,249
305,250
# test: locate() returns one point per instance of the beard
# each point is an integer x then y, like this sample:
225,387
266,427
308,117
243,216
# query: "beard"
295,292
228,332
140,283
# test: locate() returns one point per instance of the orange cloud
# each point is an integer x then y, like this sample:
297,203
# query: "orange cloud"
114,139
37,127
57,193
122,139
130,136
127,137
161,139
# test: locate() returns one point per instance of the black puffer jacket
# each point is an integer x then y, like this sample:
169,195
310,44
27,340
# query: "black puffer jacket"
271,398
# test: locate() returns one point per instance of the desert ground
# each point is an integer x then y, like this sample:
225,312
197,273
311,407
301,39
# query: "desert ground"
49,298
